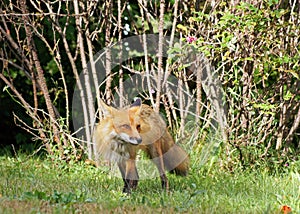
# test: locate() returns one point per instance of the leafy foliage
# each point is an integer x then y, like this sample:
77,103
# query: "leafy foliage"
256,53
253,47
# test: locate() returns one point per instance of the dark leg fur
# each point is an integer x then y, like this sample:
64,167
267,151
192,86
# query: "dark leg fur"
164,182
129,185
129,174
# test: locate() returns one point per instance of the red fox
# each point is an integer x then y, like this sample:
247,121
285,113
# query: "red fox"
122,132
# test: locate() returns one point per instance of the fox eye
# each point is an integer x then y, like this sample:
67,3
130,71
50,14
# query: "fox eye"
138,127
126,126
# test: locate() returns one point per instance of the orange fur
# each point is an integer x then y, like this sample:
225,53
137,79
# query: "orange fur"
123,132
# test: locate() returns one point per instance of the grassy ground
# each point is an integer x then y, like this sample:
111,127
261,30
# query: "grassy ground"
41,186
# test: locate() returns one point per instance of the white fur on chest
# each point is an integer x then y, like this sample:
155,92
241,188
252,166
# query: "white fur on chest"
115,150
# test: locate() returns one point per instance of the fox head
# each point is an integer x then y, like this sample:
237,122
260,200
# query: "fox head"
124,123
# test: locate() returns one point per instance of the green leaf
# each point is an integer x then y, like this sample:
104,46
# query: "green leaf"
181,27
294,73
288,96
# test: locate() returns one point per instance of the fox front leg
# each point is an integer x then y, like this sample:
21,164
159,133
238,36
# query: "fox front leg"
132,176
122,168
129,174
129,185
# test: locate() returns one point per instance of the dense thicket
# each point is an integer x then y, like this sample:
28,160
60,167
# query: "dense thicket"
253,49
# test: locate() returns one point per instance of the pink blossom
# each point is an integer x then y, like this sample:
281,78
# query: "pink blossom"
191,39
152,91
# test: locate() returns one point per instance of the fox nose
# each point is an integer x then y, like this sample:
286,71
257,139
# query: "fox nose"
137,139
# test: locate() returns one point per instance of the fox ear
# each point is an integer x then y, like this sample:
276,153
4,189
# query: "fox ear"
136,106
137,103
106,110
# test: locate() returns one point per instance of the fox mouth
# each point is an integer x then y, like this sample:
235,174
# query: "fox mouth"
137,140
132,140
124,138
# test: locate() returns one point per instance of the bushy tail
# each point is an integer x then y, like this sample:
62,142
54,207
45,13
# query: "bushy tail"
176,160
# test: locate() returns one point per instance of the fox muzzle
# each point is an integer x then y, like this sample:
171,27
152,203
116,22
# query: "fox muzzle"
138,140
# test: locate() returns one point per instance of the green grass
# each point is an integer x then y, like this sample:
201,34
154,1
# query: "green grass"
42,186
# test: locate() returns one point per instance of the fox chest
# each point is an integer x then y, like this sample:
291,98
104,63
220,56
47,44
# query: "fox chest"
120,149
